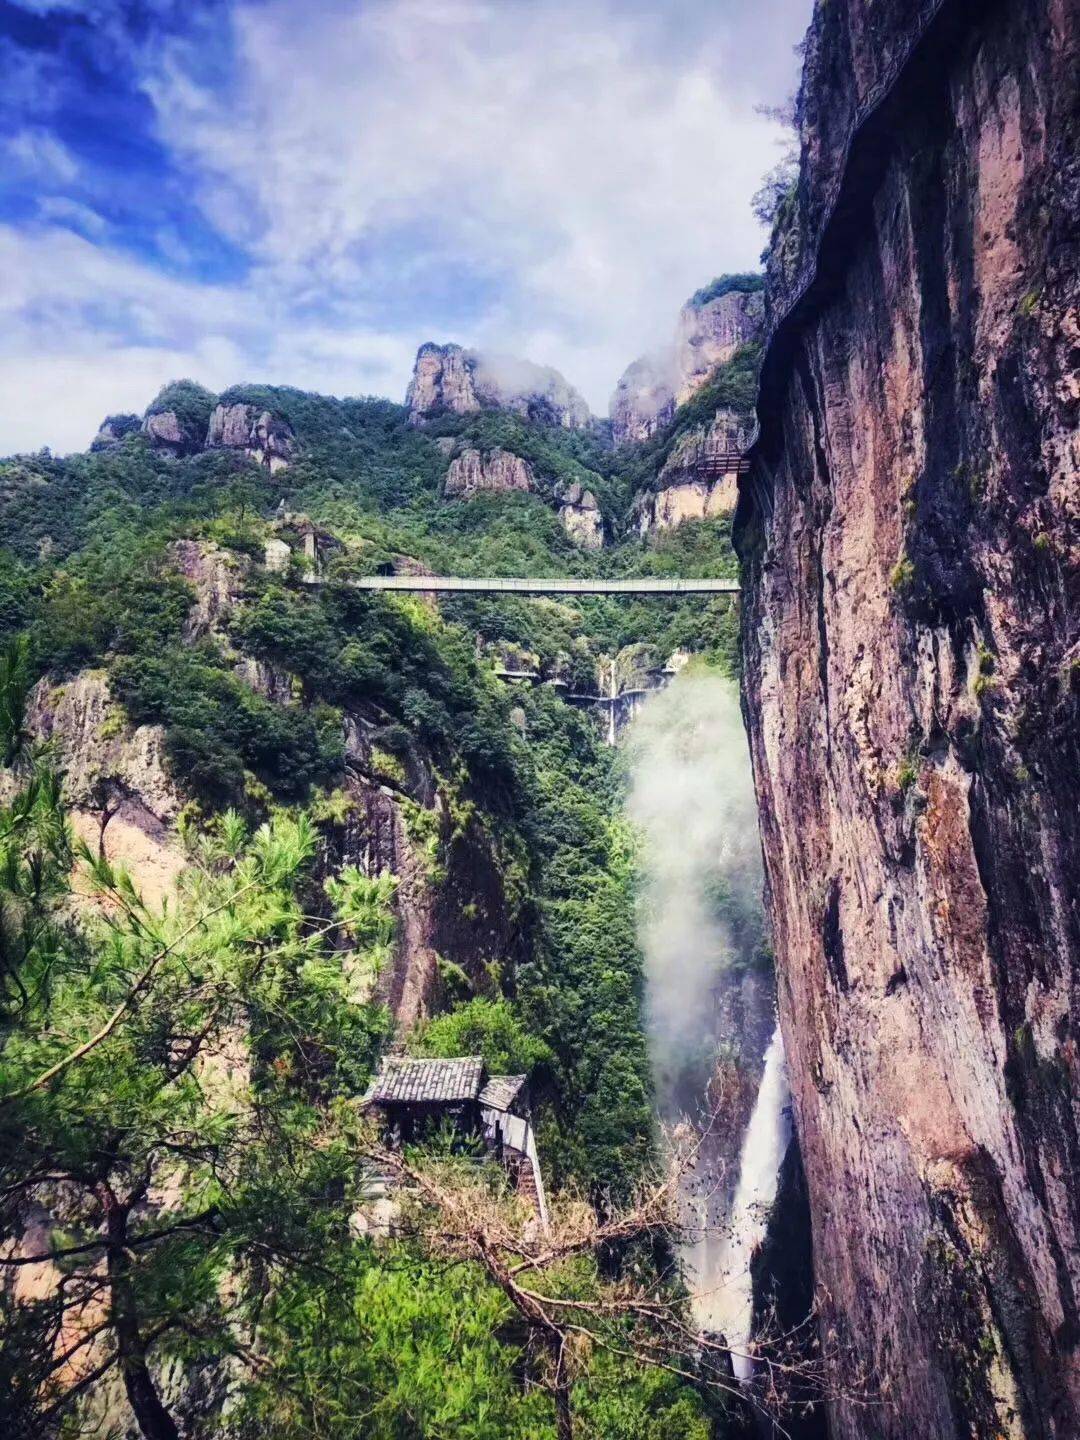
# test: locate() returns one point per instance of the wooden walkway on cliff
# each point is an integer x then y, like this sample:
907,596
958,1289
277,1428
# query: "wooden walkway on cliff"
504,585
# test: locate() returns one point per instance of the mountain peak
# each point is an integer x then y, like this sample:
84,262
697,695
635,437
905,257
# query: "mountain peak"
448,379
713,323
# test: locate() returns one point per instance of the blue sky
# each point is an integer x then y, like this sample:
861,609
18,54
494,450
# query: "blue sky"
302,191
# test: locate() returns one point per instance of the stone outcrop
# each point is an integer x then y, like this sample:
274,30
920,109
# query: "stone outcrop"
442,383
689,486
120,796
217,578
473,473
164,429
450,380
264,437
710,328
911,538
688,499
644,398
113,429
580,515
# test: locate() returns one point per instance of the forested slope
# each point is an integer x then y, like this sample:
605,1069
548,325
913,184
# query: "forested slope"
376,842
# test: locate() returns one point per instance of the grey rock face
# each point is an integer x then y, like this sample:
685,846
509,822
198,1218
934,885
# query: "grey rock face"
449,380
579,512
265,437
473,472
164,429
910,554
706,335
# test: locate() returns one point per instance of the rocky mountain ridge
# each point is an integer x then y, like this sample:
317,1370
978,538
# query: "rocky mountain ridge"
712,325
448,379
185,419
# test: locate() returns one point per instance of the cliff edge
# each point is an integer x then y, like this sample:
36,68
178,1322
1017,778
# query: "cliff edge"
910,538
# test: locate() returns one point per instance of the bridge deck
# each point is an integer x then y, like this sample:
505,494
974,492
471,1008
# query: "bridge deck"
643,585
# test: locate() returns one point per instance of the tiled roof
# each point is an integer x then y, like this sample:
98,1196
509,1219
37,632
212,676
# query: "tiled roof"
426,1082
501,1091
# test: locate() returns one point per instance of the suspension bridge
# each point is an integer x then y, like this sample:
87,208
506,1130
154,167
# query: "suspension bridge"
507,585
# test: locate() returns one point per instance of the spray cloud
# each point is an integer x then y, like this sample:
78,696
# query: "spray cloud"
691,795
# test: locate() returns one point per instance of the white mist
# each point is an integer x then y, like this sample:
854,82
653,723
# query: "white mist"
692,799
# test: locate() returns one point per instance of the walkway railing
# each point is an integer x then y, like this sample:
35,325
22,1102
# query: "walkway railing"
468,584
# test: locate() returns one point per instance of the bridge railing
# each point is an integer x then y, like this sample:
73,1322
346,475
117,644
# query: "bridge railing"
513,585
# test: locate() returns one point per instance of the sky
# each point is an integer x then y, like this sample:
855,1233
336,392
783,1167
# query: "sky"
303,191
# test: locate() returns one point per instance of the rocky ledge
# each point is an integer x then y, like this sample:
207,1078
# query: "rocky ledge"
184,419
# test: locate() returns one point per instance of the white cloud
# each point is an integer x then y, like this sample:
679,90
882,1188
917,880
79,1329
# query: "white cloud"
85,332
569,154
538,177
62,210
40,154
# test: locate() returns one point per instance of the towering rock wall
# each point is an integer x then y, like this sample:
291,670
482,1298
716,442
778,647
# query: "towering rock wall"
711,327
911,536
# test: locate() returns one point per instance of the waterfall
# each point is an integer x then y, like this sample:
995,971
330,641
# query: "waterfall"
723,1295
716,1054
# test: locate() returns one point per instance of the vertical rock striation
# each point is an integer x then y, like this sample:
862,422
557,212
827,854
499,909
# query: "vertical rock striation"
910,536
712,325
474,473
265,438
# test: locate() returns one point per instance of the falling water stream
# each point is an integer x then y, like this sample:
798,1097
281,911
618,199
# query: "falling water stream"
716,1052
721,1282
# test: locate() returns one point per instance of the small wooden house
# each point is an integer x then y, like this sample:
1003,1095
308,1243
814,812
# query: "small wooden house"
415,1097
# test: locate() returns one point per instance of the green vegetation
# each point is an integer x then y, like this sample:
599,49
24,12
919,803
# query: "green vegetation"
491,1028
902,575
986,665
246,1021
746,284
192,405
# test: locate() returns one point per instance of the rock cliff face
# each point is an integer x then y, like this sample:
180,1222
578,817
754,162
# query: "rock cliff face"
165,429
121,799
709,331
644,399
264,437
448,379
710,328
688,486
472,473
911,536
579,512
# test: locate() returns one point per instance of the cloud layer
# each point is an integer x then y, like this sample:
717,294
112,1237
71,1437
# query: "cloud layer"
304,194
